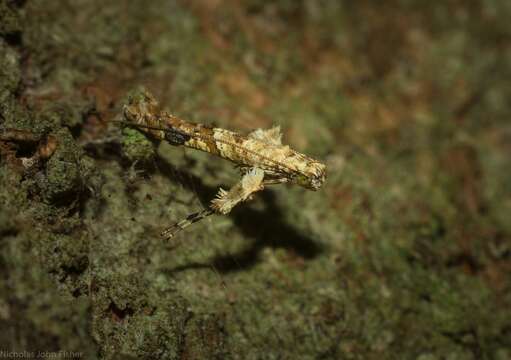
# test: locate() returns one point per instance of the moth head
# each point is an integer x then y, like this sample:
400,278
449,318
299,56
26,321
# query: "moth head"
312,177
141,105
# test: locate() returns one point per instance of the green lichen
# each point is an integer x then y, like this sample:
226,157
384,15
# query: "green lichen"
62,172
136,146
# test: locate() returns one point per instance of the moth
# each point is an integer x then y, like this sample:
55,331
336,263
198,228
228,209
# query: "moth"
262,158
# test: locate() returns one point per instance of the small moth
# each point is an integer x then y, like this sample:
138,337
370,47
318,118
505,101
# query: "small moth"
260,155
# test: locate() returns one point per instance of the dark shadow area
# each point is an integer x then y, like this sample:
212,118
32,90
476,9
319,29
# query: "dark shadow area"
108,149
268,228
185,179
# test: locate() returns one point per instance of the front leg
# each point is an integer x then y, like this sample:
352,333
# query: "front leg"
250,183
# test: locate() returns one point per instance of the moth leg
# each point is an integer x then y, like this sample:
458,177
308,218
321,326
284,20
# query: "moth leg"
183,224
250,183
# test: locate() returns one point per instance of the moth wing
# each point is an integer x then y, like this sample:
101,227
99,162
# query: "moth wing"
271,136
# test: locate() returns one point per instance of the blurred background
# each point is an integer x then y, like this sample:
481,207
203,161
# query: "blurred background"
405,252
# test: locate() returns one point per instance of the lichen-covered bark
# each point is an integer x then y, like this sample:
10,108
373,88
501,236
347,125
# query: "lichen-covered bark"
405,253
